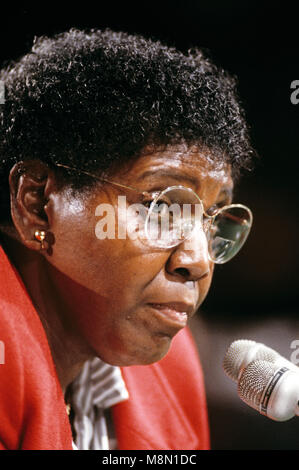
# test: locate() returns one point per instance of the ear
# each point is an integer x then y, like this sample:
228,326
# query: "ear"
30,184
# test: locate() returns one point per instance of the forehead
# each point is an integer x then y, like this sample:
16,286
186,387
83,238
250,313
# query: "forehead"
192,167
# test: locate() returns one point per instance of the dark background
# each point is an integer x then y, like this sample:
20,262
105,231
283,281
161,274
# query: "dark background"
255,295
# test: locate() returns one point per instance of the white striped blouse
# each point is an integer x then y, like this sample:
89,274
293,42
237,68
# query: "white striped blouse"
98,387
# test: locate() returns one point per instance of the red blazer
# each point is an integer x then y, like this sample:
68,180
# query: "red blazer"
166,408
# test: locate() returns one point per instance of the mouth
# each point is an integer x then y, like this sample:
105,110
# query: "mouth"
174,314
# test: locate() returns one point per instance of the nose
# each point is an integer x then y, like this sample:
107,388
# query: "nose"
190,259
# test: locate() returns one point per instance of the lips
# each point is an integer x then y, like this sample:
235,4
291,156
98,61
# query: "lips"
174,314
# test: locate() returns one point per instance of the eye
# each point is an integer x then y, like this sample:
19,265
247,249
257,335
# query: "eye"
217,206
162,201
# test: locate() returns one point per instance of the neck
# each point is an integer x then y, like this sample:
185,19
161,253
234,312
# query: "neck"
68,350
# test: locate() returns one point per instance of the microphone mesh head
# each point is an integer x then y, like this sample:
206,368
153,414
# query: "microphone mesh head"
237,351
234,357
253,381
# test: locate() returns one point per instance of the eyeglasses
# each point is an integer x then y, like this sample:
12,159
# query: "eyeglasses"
172,215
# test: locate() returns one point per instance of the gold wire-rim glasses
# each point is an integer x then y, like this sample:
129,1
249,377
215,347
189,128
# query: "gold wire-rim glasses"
210,218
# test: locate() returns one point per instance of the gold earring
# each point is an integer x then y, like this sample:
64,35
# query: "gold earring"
40,235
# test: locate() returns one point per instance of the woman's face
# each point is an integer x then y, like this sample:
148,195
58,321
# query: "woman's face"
127,299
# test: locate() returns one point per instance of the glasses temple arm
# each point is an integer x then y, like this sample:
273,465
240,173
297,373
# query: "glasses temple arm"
100,178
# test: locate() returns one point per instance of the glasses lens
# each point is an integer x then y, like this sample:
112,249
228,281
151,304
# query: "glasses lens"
228,232
172,216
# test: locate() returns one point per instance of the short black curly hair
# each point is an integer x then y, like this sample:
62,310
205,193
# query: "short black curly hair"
90,98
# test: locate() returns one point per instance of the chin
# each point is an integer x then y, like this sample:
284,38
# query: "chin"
138,357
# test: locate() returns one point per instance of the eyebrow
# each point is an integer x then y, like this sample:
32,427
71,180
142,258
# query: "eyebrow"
177,175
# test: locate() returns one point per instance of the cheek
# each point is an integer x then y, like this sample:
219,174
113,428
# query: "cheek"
112,267
205,284
73,248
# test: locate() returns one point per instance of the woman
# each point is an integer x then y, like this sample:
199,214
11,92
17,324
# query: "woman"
104,137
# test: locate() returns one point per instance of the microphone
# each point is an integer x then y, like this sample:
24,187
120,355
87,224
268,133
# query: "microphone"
267,382
243,351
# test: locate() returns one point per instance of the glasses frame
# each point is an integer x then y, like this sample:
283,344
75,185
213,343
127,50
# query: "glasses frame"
210,218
